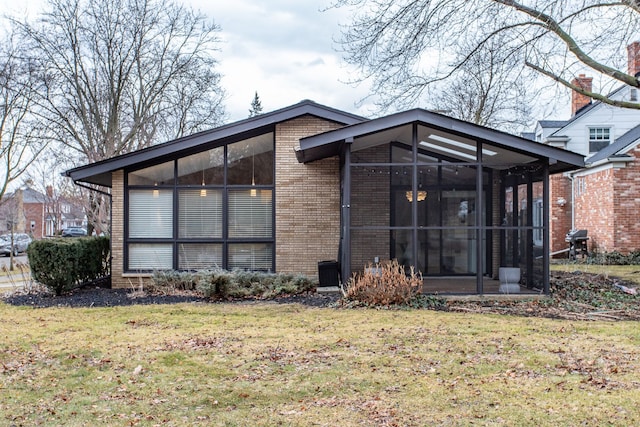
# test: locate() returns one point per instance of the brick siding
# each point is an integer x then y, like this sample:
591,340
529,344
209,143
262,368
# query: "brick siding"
307,200
560,221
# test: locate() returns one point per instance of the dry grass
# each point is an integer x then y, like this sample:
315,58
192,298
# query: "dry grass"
267,364
625,272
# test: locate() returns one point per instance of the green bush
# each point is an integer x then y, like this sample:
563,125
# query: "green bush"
64,264
222,284
614,258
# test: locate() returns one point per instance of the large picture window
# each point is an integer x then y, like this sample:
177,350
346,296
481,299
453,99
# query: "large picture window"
212,209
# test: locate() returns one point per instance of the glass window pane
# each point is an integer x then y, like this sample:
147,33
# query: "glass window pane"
200,213
251,161
151,213
150,256
199,256
206,168
251,256
250,213
161,174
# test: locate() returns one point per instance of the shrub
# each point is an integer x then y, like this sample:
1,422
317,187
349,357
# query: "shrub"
386,285
614,258
168,281
64,264
224,284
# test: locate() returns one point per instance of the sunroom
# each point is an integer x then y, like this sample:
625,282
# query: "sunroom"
456,201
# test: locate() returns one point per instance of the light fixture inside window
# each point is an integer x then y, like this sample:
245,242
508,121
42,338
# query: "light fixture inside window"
156,192
254,192
203,191
422,195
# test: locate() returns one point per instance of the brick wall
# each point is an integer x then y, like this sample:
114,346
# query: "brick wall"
626,191
560,221
370,199
118,279
307,201
594,208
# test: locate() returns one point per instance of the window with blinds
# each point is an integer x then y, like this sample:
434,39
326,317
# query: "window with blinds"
250,213
150,256
200,213
251,256
210,209
151,213
199,256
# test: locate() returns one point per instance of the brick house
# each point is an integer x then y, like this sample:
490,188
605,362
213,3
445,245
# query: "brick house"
603,196
39,214
286,190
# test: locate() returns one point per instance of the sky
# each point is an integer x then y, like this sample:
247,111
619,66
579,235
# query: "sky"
284,50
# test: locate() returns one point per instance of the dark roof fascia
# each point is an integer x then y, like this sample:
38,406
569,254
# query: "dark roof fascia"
100,172
630,137
314,147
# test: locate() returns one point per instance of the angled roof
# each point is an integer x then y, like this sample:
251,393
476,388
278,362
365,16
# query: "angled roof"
100,172
585,110
529,135
620,144
552,123
328,144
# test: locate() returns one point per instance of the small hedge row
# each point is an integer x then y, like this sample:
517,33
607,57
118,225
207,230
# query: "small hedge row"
614,258
223,284
64,264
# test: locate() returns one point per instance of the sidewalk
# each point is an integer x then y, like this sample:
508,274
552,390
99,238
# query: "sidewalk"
14,280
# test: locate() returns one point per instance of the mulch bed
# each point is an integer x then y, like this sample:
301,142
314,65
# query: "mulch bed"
575,296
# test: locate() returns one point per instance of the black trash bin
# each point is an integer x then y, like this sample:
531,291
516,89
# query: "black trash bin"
328,273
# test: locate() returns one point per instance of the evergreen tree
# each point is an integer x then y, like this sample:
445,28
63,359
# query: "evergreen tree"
256,106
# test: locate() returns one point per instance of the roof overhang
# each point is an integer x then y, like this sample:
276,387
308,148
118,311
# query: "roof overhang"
523,150
99,173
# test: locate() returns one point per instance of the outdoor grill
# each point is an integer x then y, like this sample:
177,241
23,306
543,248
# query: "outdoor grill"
577,240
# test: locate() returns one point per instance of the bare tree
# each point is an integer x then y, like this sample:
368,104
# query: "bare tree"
406,46
489,90
20,141
122,75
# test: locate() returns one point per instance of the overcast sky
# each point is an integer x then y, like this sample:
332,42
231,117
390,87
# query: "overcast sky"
283,49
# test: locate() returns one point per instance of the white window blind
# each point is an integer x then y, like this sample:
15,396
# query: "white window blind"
250,213
199,256
200,213
150,256
150,213
251,256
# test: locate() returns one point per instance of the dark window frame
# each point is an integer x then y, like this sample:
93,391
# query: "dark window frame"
175,240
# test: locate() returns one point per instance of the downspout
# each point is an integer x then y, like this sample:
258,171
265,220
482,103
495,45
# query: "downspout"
573,212
79,184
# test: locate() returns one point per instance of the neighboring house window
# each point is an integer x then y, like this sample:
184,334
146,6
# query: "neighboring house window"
212,209
599,138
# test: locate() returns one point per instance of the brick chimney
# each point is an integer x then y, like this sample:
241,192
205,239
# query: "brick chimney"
579,100
633,58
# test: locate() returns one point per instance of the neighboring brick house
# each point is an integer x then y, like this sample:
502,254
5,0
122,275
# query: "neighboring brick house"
40,215
603,197
286,190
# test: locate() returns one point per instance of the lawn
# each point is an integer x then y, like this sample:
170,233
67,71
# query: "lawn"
268,364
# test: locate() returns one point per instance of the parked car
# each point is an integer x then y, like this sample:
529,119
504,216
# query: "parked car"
74,232
21,242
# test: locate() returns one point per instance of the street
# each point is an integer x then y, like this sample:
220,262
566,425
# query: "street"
16,278
4,260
